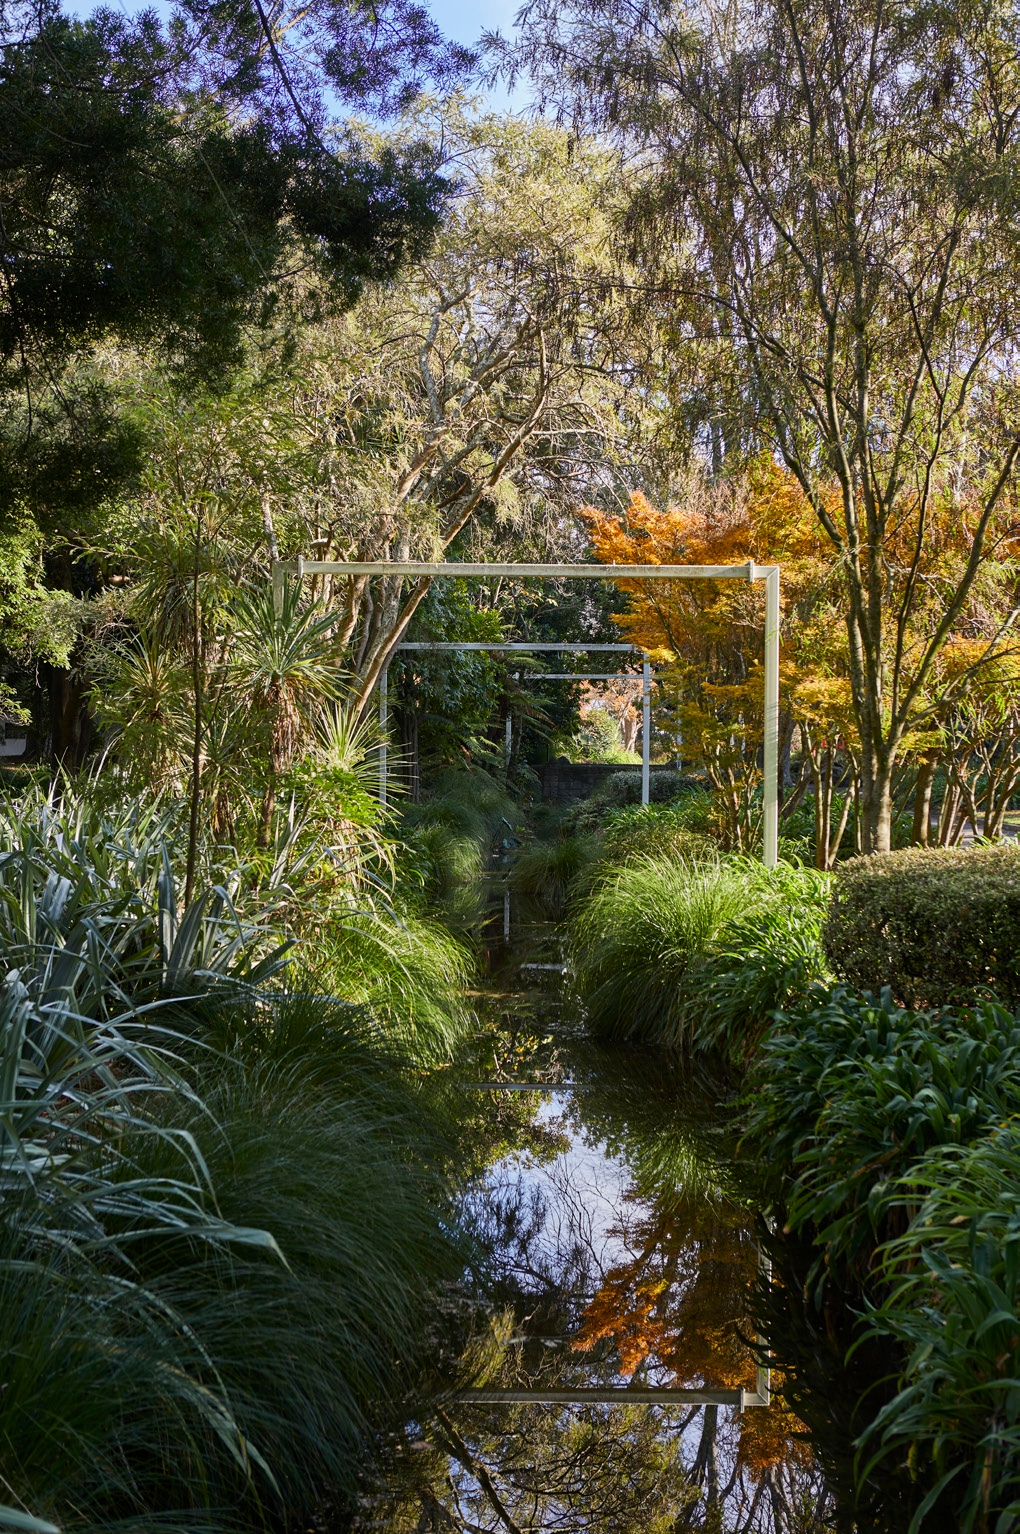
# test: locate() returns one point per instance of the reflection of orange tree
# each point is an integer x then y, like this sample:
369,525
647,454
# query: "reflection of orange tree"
679,1305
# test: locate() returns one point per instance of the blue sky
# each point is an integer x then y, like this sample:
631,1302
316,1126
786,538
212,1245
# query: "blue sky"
463,21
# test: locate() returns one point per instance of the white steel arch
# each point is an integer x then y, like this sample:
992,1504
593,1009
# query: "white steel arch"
750,572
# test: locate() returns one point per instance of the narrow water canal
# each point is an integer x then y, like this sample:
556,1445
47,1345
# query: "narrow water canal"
617,1386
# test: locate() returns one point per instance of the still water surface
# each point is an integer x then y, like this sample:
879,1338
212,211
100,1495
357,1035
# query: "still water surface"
621,1252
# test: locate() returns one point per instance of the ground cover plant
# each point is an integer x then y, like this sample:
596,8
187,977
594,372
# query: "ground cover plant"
225,1202
951,1303
884,1136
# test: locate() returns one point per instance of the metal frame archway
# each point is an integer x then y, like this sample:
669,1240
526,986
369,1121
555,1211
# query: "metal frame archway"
458,646
301,567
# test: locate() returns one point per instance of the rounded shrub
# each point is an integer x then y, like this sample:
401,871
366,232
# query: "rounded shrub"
936,926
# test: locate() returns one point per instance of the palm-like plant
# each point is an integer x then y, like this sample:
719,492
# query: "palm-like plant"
286,661
141,696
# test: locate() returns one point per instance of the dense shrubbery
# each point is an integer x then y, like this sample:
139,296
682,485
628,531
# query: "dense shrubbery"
952,1303
885,1134
935,926
889,1166
448,840
848,1092
549,871
624,788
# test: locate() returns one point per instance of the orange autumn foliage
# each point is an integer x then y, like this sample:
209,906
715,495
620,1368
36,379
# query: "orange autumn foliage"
679,1306
708,636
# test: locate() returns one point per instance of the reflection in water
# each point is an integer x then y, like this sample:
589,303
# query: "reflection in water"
624,1261
620,1253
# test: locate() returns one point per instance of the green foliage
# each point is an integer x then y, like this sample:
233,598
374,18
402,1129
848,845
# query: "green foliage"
453,694
624,788
886,1141
192,1381
640,932
549,871
848,1092
935,926
115,129
407,971
449,839
676,946
596,738
671,830
89,908
952,1304
227,1231
765,960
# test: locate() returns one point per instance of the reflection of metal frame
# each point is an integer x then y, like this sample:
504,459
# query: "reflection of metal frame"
621,1395
749,572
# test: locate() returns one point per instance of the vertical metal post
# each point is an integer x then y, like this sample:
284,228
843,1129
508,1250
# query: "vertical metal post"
771,791
384,719
279,577
509,739
646,732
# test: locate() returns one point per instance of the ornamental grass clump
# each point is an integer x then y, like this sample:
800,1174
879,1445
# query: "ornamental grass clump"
769,958
549,872
696,952
654,830
638,934
227,1225
937,926
408,972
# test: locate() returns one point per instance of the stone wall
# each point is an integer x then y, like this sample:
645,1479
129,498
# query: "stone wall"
563,781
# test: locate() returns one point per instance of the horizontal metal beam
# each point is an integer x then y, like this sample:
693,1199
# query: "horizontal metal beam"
461,644
520,1086
578,676
621,1395
748,572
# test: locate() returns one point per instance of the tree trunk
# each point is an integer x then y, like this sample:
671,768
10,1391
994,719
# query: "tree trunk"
409,739
69,732
876,802
706,1464
922,801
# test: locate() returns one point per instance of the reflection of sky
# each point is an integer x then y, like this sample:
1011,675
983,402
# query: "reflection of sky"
578,1217
584,1189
